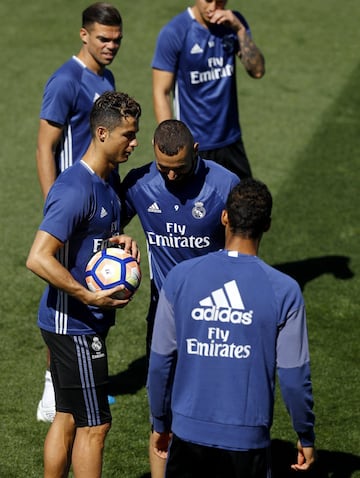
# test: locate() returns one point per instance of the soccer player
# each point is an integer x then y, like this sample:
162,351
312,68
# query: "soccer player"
178,199
225,323
80,211
64,130
195,63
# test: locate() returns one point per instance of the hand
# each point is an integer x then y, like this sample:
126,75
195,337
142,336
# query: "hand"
306,457
104,298
128,244
160,443
227,18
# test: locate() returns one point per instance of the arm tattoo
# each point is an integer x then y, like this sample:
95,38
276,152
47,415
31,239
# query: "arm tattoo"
251,57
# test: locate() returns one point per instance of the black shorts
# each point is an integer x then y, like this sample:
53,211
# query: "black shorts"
79,370
232,157
188,460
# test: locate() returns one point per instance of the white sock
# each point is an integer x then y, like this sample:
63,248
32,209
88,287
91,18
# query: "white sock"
48,397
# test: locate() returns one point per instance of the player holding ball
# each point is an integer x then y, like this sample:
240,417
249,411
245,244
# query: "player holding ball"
81,210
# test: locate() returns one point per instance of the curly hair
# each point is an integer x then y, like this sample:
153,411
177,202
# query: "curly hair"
110,108
249,206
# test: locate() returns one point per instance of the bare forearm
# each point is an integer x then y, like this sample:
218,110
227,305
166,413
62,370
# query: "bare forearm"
162,87
55,274
51,271
162,108
42,261
46,172
249,54
49,136
251,57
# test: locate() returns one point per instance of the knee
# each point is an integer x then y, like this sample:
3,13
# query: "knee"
106,428
99,432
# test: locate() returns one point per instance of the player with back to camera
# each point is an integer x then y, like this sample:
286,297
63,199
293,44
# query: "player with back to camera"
81,210
64,130
195,64
216,347
178,198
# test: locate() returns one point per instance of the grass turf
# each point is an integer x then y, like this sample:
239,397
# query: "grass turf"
301,125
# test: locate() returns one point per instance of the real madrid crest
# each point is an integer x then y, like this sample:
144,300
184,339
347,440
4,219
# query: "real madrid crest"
96,344
198,211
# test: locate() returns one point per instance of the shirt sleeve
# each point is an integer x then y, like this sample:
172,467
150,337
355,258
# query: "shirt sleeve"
243,21
58,99
167,49
293,364
65,207
162,365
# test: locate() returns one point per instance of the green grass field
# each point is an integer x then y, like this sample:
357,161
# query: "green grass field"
301,129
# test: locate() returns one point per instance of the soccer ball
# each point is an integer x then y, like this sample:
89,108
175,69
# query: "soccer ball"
112,267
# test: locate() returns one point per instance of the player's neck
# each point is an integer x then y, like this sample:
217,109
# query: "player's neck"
96,162
89,62
242,245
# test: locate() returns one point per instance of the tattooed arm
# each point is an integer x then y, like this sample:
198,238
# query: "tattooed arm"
249,54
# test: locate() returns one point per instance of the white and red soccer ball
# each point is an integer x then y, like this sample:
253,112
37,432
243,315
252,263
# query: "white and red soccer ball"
112,267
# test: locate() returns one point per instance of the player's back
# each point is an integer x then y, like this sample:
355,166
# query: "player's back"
228,309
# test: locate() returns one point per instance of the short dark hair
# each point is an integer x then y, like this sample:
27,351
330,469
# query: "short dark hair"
171,136
111,108
249,206
103,13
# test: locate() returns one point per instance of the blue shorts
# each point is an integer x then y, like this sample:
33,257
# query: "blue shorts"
79,369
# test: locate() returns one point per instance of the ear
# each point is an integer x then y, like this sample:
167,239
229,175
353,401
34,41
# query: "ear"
196,147
224,217
101,133
83,35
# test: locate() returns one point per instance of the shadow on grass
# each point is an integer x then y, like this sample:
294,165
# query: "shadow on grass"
330,464
131,380
309,269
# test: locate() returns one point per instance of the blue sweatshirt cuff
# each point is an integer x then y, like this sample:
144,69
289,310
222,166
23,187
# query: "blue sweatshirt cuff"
161,424
307,439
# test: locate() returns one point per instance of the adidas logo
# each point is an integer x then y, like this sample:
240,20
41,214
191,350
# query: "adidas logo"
196,49
154,208
103,212
223,305
228,296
